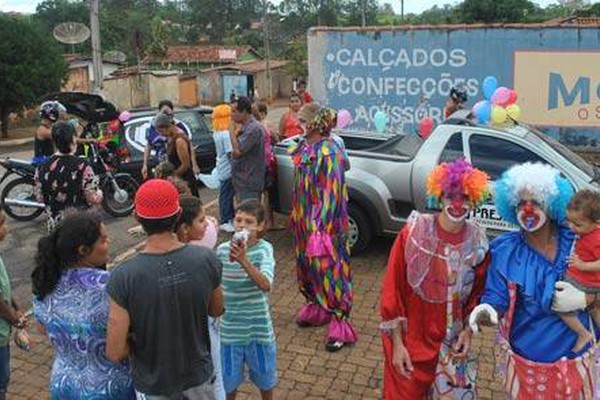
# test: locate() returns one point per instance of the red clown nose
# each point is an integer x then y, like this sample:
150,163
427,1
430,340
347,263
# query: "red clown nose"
457,203
528,207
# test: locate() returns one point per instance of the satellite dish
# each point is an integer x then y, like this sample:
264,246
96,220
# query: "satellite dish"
71,32
115,56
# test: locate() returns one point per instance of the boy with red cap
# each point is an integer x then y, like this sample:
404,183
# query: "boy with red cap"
160,301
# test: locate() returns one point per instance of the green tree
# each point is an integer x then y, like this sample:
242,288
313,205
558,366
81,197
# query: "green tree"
356,10
31,66
436,15
50,13
297,54
489,11
159,38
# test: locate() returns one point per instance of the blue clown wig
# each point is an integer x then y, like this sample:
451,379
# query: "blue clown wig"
542,182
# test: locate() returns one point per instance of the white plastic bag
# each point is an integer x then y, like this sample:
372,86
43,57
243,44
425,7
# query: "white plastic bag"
211,180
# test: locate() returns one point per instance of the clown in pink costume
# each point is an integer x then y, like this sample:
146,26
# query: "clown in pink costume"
535,345
319,221
435,275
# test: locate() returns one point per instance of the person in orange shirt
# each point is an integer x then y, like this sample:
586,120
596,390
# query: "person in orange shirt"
289,125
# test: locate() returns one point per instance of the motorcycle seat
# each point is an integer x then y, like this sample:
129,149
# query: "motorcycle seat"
22,164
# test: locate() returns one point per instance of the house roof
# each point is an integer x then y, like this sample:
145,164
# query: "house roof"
137,70
76,60
581,21
203,54
250,67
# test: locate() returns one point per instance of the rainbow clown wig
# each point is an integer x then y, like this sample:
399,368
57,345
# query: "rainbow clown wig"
543,182
458,178
221,117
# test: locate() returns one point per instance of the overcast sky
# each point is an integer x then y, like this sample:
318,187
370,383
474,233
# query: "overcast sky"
410,6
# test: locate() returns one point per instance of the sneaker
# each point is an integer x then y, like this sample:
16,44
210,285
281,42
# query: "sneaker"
227,227
333,346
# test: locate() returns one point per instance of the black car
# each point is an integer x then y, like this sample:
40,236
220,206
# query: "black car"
198,120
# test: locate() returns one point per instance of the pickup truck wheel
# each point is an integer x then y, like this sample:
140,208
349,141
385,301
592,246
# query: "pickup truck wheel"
360,232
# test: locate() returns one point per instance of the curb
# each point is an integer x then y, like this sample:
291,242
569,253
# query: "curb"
15,142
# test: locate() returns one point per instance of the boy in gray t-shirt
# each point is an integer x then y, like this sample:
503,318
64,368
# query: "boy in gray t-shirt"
160,302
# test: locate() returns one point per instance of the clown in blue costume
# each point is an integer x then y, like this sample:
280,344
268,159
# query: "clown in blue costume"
520,286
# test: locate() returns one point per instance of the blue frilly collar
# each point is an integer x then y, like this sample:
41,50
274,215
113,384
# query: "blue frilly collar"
535,275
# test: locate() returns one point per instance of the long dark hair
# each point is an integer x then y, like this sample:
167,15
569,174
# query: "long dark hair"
60,249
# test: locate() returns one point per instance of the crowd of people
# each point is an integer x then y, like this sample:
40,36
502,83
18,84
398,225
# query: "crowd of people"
185,318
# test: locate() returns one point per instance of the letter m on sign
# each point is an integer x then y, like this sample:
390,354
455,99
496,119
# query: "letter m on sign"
557,88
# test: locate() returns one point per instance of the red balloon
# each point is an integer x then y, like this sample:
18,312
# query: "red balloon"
426,126
113,126
512,97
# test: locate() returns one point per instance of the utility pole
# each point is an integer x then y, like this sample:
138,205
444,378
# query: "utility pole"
363,6
267,51
96,49
402,10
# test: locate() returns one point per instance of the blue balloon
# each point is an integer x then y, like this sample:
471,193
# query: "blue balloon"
490,84
483,111
380,119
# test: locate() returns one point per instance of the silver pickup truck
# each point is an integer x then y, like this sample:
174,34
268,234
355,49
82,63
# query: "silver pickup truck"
388,173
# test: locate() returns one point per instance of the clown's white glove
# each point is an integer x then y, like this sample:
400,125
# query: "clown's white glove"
567,298
482,313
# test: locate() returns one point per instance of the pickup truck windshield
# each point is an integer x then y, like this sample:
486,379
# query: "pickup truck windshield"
562,150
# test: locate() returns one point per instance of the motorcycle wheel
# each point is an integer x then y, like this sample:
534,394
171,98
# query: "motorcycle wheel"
20,189
111,203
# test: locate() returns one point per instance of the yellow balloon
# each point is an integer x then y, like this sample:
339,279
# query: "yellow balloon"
514,111
499,115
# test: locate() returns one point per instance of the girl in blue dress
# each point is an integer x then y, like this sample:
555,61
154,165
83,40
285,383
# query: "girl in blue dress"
71,307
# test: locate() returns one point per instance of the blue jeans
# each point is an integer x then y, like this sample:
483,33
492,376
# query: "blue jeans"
226,212
4,370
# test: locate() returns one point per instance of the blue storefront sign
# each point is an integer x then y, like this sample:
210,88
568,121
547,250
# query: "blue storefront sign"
408,73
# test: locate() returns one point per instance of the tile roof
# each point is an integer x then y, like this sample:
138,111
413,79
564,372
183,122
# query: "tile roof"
250,67
202,54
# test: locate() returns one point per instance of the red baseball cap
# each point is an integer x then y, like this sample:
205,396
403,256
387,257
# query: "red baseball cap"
157,199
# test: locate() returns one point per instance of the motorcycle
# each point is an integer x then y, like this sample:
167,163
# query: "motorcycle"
118,187
18,199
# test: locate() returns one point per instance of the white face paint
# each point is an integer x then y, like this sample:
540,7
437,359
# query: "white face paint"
456,210
452,216
532,221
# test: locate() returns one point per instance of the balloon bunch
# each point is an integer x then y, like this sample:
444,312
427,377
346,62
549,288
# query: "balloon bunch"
344,119
500,103
380,120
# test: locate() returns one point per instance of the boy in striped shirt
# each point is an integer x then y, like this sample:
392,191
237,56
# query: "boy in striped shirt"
247,337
